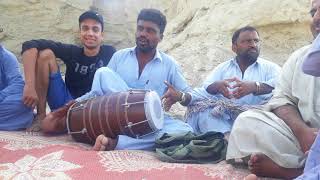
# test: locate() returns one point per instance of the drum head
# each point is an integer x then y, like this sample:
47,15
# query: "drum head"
153,110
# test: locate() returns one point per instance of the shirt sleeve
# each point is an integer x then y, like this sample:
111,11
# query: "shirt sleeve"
311,64
282,94
201,93
12,77
177,79
215,75
112,63
272,74
60,50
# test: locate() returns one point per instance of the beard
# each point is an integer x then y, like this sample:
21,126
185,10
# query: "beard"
249,56
145,47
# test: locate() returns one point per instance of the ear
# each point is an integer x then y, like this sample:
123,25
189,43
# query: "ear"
102,34
234,48
161,36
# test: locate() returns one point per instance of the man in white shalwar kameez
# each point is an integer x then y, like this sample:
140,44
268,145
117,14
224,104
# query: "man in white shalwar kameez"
278,138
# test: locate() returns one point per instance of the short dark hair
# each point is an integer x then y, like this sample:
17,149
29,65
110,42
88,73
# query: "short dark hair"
91,15
236,34
154,16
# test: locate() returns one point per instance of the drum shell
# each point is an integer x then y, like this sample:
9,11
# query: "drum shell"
109,115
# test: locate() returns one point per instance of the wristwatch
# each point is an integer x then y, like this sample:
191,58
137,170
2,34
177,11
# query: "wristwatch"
183,97
258,87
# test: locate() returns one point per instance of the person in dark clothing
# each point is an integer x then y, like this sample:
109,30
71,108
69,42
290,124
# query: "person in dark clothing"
43,80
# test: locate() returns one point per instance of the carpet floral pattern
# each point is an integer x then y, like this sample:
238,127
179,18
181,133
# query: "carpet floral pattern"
36,156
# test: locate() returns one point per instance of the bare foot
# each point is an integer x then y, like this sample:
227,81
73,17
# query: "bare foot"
251,177
35,126
104,143
261,165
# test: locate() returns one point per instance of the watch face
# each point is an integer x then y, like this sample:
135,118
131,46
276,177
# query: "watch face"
183,97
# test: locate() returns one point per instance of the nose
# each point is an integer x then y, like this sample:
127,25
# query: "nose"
90,32
253,43
142,32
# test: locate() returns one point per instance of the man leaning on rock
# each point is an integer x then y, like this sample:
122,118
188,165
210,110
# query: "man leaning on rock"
44,82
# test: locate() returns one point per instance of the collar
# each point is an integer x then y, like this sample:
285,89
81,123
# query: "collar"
156,57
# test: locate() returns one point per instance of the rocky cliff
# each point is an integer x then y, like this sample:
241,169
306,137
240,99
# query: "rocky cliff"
198,33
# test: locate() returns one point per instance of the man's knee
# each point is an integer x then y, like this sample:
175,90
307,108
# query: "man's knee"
46,55
245,118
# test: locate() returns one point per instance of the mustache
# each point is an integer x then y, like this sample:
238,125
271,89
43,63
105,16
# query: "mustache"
253,48
142,38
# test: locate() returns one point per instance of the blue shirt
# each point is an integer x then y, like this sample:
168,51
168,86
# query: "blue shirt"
161,68
13,113
11,81
262,71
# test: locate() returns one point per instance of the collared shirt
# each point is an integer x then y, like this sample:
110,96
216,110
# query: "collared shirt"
262,71
161,68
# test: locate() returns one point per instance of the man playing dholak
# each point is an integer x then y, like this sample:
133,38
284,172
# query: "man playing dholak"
276,140
141,67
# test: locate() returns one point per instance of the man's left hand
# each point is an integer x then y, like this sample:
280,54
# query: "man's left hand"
243,88
170,97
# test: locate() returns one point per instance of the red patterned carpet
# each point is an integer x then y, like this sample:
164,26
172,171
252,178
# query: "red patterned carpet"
24,156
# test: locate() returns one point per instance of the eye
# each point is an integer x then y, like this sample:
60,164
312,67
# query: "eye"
84,28
140,28
313,12
151,30
96,29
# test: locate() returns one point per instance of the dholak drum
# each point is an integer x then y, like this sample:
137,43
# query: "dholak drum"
134,113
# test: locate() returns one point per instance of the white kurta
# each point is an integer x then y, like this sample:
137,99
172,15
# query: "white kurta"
257,131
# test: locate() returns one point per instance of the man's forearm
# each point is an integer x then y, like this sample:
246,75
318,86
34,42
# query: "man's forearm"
212,89
291,116
263,89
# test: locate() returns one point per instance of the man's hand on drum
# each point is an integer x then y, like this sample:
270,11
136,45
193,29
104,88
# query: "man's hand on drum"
170,97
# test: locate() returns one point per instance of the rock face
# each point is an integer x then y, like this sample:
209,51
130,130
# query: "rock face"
198,33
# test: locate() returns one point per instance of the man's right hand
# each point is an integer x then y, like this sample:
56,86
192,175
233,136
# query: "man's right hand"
221,87
30,97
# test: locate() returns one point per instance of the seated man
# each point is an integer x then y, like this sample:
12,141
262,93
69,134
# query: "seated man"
311,66
277,139
245,79
140,67
43,78
13,113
